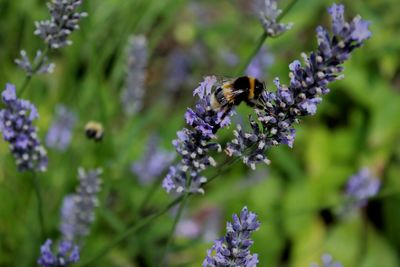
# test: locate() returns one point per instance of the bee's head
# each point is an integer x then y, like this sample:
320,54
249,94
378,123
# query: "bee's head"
259,88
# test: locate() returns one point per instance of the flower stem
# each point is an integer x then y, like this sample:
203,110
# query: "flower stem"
172,232
261,41
134,228
36,67
40,206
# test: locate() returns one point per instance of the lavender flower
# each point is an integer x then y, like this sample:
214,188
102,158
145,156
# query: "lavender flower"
234,249
154,162
64,20
280,110
133,93
16,124
77,212
327,261
60,133
67,254
195,144
259,64
361,186
38,66
178,67
269,18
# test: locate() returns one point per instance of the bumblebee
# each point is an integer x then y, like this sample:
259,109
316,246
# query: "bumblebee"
231,93
94,130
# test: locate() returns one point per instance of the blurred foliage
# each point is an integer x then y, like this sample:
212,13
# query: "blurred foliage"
356,125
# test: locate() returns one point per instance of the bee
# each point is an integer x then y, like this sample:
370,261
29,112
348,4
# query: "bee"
231,93
94,130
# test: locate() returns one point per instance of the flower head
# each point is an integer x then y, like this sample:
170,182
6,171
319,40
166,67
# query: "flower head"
327,261
16,124
64,20
361,186
78,210
133,93
25,64
154,162
67,254
268,13
234,248
279,111
259,64
60,133
195,143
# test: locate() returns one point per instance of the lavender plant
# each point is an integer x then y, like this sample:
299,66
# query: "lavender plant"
268,13
60,132
362,186
234,249
153,163
133,93
194,144
77,212
63,21
327,261
16,125
67,254
279,111
259,64
36,66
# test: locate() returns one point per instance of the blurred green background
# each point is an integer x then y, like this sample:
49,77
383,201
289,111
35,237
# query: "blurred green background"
357,125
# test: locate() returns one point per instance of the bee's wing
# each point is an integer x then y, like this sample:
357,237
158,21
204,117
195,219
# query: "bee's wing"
223,80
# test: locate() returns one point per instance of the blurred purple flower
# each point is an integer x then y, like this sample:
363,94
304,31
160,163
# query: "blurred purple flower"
203,223
231,59
60,133
194,144
67,254
234,249
327,261
260,64
154,162
277,112
178,69
64,20
268,13
362,186
16,124
77,212
133,93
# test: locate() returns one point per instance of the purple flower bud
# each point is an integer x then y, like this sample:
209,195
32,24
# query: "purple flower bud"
77,212
234,248
16,124
64,20
362,186
60,133
67,254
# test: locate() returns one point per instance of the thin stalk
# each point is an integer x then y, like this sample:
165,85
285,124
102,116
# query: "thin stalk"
262,39
131,230
172,232
36,67
38,194
150,193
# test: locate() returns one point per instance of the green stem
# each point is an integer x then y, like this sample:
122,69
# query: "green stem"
134,228
40,206
36,67
262,39
150,193
172,232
